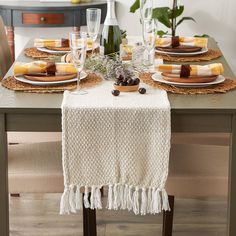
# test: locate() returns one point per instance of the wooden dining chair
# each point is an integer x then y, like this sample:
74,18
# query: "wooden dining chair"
5,54
37,168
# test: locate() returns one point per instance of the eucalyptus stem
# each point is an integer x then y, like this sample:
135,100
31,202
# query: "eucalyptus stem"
173,18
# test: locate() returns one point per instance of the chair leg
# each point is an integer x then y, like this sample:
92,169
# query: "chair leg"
15,195
102,192
168,218
89,221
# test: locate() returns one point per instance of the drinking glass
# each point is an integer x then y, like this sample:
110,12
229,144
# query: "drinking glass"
93,16
146,7
149,38
78,46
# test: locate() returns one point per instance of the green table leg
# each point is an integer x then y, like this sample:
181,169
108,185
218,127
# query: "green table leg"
4,206
232,182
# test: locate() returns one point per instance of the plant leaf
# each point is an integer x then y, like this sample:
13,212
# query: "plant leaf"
177,12
135,6
162,14
184,19
202,36
161,33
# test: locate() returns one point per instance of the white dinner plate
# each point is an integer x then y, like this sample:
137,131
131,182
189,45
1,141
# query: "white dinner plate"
50,51
24,80
204,50
158,77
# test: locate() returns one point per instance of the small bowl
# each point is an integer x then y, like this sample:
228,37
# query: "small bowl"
132,88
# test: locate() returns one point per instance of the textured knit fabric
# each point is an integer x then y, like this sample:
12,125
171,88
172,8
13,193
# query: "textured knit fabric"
122,142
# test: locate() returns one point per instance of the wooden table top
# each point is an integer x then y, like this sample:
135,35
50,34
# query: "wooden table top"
12,102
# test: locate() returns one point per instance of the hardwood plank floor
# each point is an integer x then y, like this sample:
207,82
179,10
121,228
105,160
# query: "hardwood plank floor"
37,215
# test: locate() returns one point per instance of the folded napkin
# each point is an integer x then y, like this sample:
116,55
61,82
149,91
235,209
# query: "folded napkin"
184,41
89,43
41,67
195,70
122,142
56,43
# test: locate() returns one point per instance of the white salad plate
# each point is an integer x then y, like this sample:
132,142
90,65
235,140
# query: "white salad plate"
158,77
50,51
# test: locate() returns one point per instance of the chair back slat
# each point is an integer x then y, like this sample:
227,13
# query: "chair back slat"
5,54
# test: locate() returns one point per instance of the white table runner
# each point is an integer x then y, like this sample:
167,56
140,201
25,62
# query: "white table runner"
122,142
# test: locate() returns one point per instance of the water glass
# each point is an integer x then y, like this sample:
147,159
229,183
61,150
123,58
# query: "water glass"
78,46
93,16
149,38
146,7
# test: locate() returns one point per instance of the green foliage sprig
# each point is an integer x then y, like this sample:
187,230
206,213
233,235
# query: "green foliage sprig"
167,16
109,66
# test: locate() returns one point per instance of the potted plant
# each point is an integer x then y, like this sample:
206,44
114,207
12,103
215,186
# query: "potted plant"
167,16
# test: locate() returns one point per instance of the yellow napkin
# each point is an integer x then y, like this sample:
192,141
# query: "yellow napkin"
40,67
56,43
184,41
79,43
89,43
195,70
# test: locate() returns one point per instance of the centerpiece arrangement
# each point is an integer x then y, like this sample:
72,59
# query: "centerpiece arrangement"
116,58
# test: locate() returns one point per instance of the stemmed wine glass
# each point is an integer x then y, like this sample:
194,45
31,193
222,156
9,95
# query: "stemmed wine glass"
149,38
78,46
146,7
93,16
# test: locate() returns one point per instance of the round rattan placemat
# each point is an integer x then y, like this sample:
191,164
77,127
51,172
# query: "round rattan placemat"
12,84
227,85
210,55
36,54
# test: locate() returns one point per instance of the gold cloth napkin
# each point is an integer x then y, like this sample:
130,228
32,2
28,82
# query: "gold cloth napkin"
56,43
195,70
39,67
184,41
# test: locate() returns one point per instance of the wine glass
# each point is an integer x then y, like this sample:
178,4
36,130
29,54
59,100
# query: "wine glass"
93,16
78,46
146,7
149,38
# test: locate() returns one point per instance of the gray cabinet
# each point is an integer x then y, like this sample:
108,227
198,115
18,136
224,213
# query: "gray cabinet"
36,14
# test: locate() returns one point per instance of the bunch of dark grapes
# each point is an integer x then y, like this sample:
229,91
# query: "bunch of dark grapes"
126,81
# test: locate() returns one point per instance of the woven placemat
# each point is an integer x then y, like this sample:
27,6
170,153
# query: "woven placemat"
227,85
11,83
36,54
210,55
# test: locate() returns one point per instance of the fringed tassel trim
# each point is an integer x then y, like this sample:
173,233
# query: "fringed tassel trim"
72,199
139,200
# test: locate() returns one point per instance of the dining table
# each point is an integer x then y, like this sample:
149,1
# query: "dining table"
32,112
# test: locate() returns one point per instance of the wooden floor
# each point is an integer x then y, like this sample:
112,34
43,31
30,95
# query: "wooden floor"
37,215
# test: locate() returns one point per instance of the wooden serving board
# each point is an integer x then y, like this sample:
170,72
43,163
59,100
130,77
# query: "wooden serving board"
132,88
59,49
191,79
180,49
45,78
